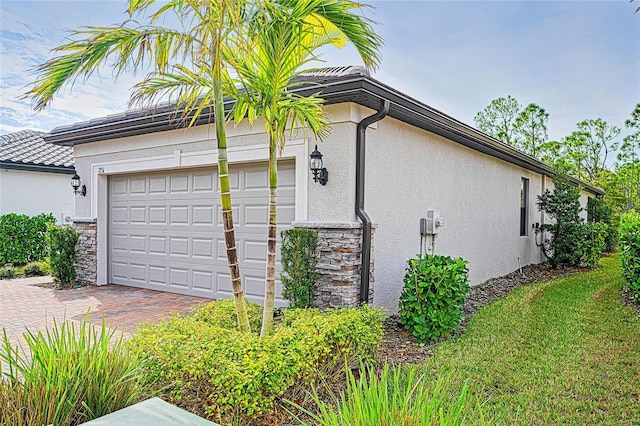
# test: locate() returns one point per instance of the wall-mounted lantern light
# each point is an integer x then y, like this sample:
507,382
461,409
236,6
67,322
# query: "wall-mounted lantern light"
75,184
320,174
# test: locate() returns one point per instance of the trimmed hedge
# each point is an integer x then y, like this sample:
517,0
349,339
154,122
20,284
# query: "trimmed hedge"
630,246
22,238
220,373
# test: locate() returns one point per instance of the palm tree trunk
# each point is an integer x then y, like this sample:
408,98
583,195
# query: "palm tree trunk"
270,276
225,201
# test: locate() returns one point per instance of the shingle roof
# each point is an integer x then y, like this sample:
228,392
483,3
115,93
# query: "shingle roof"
29,147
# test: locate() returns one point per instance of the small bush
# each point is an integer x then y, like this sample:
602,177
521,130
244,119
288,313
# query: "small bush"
33,269
22,238
72,374
630,246
435,288
224,374
61,242
299,276
396,397
7,272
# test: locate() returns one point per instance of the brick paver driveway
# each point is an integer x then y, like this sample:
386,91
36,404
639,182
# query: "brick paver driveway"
25,305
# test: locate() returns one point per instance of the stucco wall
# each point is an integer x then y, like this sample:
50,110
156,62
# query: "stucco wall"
32,193
408,170
478,195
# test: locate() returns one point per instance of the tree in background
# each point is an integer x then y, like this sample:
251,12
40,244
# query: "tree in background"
498,119
597,140
530,127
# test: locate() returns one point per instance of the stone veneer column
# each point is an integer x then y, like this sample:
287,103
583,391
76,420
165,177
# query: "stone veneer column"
339,259
86,250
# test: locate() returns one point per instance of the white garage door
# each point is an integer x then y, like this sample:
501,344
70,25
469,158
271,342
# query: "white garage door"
165,229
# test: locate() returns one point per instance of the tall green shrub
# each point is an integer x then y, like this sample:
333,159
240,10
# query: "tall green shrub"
22,238
61,242
563,206
435,288
299,276
630,246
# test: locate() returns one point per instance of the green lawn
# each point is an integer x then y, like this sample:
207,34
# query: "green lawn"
564,351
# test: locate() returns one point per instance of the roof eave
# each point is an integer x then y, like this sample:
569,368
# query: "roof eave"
358,89
31,167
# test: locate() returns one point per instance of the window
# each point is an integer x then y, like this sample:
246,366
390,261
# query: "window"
524,206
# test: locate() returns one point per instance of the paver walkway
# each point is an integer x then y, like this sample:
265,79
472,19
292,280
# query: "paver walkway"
25,305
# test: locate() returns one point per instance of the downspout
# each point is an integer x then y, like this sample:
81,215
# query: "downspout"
360,212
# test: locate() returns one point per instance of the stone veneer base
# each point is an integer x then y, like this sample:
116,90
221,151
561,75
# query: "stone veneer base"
339,259
86,250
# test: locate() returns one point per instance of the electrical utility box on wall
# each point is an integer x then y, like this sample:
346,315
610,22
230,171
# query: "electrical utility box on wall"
434,222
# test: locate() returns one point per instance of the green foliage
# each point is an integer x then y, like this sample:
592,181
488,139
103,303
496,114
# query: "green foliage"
221,313
395,397
563,206
593,243
34,269
299,258
630,246
7,272
539,355
22,238
435,288
61,242
225,373
599,211
72,374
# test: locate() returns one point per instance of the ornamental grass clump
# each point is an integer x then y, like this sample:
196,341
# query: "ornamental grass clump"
394,397
71,374
218,372
435,288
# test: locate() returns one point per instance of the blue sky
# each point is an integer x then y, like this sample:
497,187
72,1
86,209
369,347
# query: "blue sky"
576,59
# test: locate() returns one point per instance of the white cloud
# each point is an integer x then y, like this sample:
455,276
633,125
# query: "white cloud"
576,59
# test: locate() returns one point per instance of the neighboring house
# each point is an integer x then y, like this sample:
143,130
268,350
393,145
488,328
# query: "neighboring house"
35,176
153,194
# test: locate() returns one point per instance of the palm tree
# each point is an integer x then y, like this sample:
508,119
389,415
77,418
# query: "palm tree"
284,36
186,65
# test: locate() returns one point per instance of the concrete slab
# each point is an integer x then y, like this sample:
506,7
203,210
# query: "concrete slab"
152,412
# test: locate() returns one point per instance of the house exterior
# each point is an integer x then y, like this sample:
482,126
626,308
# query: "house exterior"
151,216
35,176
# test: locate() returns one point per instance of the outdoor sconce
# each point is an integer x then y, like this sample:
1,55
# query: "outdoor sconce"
320,174
75,184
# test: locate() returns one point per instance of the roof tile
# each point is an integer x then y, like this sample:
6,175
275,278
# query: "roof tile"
29,147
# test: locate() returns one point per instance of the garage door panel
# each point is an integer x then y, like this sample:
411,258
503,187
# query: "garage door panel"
157,185
166,229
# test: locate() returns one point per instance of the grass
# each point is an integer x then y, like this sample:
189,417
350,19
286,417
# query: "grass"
69,375
565,351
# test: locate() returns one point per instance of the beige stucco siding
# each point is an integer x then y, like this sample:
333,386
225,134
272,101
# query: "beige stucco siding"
410,170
